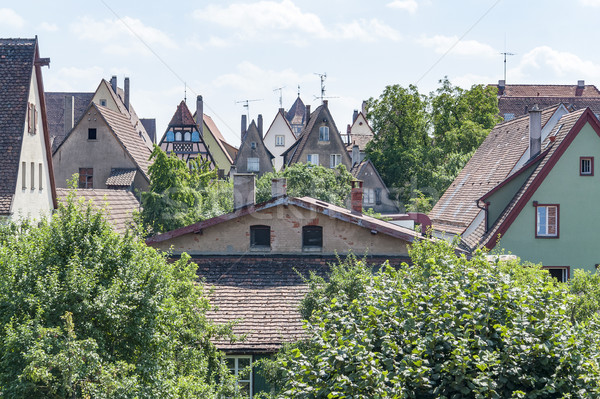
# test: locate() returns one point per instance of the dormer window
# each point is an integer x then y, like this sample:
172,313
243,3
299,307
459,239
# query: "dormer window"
586,166
324,133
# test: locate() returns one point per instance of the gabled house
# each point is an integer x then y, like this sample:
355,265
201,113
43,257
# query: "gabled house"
66,109
297,115
253,156
184,139
376,195
106,151
319,143
251,258
515,100
279,137
26,171
359,133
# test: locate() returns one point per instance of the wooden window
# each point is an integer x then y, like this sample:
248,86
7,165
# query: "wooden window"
378,196
178,136
92,133
31,118
546,220
86,178
335,160
586,166
368,196
32,175
279,141
241,368
187,136
312,237
253,165
24,175
561,273
41,176
313,159
324,133
260,237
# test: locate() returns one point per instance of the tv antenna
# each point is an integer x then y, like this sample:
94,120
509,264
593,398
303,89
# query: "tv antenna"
185,92
246,104
505,53
280,95
323,76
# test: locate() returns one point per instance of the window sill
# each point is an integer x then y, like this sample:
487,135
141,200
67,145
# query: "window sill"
260,249
312,249
556,236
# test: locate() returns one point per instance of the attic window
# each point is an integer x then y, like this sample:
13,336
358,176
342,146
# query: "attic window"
324,133
279,141
312,238
177,136
253,145
260,237
187,136
586,166
103,102
92,133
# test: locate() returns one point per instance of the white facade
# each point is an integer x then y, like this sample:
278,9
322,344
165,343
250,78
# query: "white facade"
279,138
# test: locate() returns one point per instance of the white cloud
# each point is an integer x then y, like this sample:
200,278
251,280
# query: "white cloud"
9,18
121,37
590,3
269,20
409,5
213,41
48,27
560,64
441,44
73,79
251,79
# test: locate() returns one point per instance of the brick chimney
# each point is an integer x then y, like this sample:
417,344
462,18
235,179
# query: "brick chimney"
354,115
307,118
69,114
580,88
126,89
113,84
356,196
535,131
260,125
200,114
278,187
244,190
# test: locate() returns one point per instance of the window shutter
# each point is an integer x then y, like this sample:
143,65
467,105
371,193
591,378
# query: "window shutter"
552,220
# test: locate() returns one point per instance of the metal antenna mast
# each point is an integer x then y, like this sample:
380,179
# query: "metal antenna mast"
280,95
323,76
505,54
185,92
246,104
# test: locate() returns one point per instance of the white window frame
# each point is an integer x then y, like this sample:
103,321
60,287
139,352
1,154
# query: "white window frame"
335,160
253,164
279,140
324,133
312,159
368,196
236,370
543,223
586,166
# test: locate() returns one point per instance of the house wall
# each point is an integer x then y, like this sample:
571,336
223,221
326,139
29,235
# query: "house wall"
102,154
278,127
104,93
577,245
370,180
33,201
215,149
233,236
260,152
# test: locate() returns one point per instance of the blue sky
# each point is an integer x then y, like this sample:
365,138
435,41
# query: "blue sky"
230,51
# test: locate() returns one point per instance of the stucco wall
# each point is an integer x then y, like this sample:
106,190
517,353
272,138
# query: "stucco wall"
102,154
215,149
233,237
246,151
33,201
577,245
279,127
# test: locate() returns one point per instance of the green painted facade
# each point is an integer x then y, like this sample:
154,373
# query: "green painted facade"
579,219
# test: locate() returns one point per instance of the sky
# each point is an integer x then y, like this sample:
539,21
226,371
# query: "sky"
233,51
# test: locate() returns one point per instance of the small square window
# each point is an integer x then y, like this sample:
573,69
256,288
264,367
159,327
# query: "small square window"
253,165
260,237
253,145
86,178
324,133
312,237
546,220
92,133
586,166
279,141
103,102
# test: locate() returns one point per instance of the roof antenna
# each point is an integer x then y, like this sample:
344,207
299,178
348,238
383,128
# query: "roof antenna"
246,104
298,90
185,92
505,53
280,95
323,76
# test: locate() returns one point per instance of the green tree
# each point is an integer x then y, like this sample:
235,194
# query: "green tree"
86,312
330,185
443,327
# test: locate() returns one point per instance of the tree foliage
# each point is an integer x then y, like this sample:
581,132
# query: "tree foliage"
422,142
85,312
442,327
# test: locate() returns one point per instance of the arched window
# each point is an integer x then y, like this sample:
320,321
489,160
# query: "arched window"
260,237
312,237
187,136
177,136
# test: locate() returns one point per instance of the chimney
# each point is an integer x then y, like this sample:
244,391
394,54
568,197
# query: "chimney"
307,118
69,113
355,155
243,190
501,87
260,125
580,87
354,116
364,108
581,84
278,187
356,196
535,131
244,126
113,84
326,103
200,114
126,88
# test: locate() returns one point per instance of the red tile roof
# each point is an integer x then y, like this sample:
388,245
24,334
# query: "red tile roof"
550,91
182,116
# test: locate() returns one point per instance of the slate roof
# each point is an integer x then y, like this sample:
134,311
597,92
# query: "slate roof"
120,177
297,112
119,204
551,151
182,116
150,126
534,90
55,110
16,67
131,140
490,165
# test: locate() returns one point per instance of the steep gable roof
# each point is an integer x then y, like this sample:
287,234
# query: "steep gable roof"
554,146
182,116
281,114
55,109
253,135
297,112
360,139
493,162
